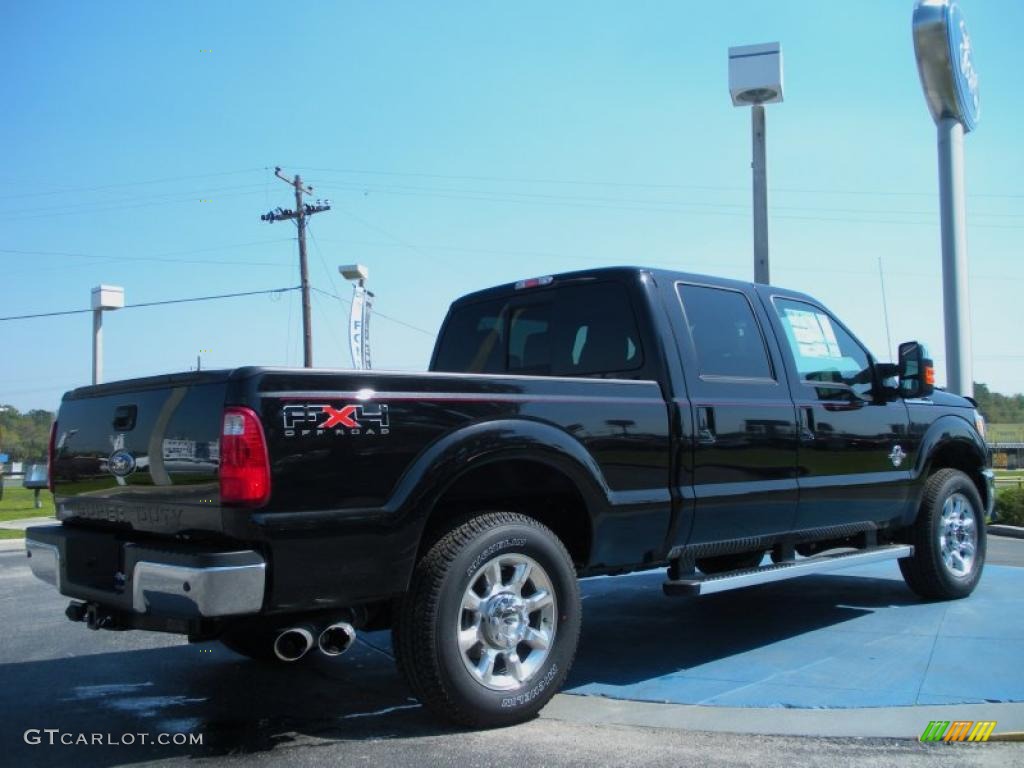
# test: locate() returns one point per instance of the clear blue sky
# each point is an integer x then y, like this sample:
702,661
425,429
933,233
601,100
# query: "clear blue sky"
466,144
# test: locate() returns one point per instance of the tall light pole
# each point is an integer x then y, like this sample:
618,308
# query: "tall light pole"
359,317
755,79
945,61
104,297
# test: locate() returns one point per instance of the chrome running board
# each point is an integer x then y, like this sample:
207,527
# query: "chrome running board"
706,585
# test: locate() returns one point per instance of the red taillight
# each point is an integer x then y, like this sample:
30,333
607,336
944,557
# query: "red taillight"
244,463
51,454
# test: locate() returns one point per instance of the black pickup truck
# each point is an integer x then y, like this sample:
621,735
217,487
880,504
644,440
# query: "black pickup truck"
596,422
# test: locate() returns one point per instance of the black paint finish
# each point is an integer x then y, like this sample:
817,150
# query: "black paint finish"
661,458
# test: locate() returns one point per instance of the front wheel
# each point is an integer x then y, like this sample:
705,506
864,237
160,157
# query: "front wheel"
488,630
948,538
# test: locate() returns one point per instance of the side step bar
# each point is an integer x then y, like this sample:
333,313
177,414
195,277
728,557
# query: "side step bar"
706,585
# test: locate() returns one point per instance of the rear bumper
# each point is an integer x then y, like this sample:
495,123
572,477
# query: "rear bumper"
172,581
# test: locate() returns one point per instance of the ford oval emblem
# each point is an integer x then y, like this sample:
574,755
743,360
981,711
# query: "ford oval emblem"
121,463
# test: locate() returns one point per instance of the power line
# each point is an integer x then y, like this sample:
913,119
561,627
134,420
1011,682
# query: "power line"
117,205
377,313
697,204
639,185
323,261
97,188
162,258
670,207
153,303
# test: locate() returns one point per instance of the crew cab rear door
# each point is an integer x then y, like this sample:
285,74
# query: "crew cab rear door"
744,443
853,453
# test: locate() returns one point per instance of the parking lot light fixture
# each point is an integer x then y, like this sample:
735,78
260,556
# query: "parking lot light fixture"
755,79
104,297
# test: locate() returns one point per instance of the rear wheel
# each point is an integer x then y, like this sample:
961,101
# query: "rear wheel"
488,630
948,537
732,562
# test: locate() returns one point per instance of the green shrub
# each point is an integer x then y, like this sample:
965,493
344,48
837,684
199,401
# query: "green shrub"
1010,506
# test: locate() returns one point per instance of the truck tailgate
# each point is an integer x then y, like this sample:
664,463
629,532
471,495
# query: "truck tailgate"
142,454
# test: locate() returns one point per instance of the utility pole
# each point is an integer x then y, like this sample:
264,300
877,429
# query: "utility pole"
302,210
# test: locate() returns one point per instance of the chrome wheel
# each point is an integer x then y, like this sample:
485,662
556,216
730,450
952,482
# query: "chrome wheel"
958,535
507,622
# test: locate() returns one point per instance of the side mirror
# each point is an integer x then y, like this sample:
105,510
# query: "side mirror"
887,377
917,375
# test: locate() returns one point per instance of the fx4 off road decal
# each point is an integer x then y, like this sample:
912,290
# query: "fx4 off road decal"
327,419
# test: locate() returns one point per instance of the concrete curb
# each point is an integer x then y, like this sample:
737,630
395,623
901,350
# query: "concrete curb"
12,545
873,722
1012,531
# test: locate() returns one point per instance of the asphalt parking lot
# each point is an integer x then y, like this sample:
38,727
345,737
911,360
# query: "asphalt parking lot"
355,710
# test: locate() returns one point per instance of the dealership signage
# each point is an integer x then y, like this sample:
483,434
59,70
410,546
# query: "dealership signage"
945,61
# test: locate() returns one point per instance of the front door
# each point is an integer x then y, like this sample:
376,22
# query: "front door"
854,451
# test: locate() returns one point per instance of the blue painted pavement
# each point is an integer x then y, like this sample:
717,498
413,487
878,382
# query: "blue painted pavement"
858,638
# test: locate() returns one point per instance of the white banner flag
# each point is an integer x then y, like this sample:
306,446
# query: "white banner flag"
356,329
367,308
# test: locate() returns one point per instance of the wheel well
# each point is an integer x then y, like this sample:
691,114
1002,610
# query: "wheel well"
957,455
530,488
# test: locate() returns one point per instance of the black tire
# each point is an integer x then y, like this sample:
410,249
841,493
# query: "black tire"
732,562
927,572
432,614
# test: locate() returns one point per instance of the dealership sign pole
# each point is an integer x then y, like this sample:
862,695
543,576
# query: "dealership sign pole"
945,61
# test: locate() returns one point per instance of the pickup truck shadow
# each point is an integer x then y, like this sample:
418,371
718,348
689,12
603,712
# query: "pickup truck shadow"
631,633
236,705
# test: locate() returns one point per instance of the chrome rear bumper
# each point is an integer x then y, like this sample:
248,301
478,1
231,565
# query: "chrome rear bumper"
175,583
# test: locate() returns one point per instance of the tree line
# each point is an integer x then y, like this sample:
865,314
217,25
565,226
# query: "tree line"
24,436
997,408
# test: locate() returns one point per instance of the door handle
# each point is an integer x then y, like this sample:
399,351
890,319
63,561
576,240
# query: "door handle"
706,426
807,423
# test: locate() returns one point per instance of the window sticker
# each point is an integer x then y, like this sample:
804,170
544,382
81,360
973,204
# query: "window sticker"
813,334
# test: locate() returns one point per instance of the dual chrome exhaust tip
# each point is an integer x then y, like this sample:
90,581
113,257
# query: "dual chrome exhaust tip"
295,642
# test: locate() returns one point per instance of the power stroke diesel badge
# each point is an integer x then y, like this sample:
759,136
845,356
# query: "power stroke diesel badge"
327,419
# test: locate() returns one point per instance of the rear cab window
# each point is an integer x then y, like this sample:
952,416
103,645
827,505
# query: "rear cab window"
574,330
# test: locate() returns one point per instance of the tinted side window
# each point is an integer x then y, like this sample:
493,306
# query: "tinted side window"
725,333
827,357
579,330
595,331
474,339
